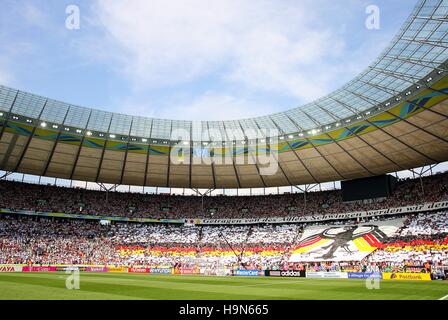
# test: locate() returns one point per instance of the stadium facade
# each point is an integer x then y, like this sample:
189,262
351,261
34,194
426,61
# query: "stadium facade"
391,117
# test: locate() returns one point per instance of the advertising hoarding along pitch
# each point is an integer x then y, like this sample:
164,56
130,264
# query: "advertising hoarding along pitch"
406,276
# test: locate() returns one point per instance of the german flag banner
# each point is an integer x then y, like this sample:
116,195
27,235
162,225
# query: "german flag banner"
343,242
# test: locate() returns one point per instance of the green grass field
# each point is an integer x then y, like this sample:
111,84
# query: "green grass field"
107,286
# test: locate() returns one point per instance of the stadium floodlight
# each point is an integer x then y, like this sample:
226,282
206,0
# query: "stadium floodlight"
43,124
112,136
1,114
144,140
89,133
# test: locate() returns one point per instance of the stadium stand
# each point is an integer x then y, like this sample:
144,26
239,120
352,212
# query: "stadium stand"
422,240
81,201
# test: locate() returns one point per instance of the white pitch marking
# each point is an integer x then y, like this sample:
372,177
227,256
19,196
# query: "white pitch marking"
444,297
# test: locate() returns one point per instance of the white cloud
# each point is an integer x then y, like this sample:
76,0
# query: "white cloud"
33,15
285,50
269,46
217,106
5,77
210,105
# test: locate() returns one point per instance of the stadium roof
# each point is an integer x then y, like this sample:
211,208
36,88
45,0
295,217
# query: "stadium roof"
390,117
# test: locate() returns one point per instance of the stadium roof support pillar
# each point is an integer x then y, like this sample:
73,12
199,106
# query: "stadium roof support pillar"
6,174
126,154
104,188
202,195
307,187
430,167
421,173
103,151
27,144
53,149
78,153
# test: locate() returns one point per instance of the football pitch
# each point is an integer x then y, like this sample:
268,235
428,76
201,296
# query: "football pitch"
113,286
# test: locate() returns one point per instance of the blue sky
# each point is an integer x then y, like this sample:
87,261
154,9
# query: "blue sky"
195,60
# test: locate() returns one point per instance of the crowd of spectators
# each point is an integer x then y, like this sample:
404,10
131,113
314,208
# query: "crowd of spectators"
37,240
423,238
46,198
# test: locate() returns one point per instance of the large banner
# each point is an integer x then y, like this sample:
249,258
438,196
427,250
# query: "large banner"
365,275
406,276
96,269
10,268
117,269
161,270
90,217
332,275
248,273
300,219
286,273
329,217
138,270
186,270
39,269
343,242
